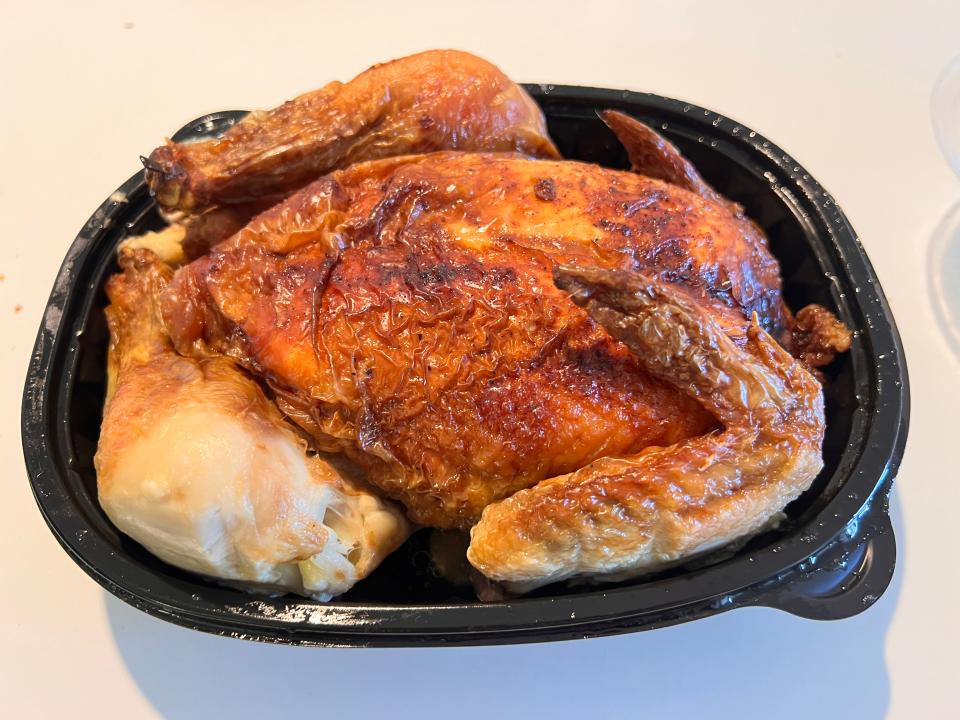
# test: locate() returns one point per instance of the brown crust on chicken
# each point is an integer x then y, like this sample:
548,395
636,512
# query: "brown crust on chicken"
404,312
653,155
436,100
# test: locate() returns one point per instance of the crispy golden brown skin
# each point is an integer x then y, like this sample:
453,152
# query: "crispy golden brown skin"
815,335
404,311
436,100
620,516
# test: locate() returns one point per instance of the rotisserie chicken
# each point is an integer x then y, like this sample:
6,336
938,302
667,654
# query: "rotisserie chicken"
579,365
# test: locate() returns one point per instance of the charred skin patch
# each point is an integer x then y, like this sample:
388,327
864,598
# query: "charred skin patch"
545,189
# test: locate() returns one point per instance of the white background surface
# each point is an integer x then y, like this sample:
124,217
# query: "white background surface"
843,87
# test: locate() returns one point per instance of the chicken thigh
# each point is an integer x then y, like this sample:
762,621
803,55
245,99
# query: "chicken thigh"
196,464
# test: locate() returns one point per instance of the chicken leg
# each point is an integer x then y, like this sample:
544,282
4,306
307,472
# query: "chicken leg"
436,100
618,517
198,466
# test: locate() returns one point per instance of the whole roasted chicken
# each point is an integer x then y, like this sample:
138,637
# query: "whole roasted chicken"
591,370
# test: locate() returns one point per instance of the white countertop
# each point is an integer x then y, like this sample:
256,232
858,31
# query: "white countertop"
843,87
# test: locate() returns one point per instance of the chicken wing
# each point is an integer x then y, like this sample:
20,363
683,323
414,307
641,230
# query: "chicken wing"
814,336
197,465
654,156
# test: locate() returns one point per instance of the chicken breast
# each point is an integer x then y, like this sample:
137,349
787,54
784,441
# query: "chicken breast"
197,465
404,312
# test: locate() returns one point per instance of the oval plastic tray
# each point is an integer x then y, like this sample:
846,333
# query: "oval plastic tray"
831,558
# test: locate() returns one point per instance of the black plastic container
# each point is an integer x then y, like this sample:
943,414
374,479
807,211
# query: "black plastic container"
831,558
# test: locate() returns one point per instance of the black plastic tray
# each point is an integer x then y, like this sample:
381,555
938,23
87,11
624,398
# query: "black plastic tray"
831,558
